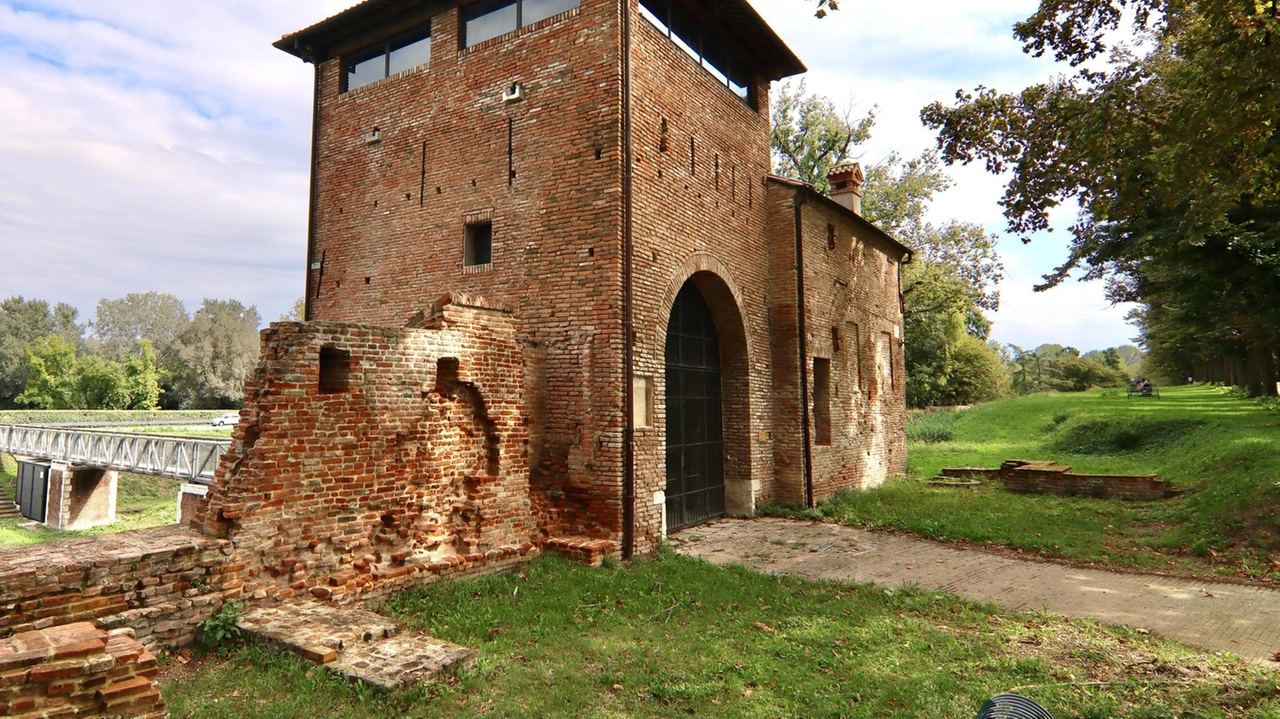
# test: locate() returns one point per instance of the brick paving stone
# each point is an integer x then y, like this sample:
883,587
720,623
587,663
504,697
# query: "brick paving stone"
1215,616
355,642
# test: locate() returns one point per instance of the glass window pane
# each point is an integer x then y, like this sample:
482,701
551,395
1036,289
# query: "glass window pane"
652,17
490,22
535,10
411,55
366,71
693,53
715,72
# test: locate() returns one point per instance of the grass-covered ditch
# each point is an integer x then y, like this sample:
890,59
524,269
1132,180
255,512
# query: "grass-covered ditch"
674,637
1224,450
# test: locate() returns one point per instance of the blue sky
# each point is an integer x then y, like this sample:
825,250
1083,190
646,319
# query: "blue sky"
163,144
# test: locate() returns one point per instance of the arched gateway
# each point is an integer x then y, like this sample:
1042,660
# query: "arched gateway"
695,437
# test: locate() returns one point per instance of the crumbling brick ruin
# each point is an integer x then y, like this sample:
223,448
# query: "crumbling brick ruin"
368,457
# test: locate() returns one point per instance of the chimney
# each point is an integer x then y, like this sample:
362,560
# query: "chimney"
846,185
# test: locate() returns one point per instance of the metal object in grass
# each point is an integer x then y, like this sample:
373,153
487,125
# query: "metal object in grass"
185,458
1012,706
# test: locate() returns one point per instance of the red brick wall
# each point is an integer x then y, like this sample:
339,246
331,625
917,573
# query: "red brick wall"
78,670
160,583
388,250
410,467
691,221
385,247
855,285
853,288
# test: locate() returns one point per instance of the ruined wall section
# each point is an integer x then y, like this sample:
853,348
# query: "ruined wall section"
78,670
366,456
159,583
546,171
700,158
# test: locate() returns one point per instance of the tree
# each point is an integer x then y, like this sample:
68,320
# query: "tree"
809,136
217,351
1053,367
121,325
296,313
142,377
51,375
58,379
23,323
1172,153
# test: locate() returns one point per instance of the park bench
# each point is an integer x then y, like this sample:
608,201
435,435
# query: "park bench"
1150,390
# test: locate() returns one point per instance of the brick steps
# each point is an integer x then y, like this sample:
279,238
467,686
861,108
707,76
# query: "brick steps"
356,643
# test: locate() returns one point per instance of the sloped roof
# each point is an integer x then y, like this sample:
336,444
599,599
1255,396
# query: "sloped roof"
852,216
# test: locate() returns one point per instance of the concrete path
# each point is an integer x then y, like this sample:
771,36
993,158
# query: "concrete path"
1213,616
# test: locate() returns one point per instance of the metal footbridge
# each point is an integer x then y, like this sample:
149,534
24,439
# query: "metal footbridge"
188,459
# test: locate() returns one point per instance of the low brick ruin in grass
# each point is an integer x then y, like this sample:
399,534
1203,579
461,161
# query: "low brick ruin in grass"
78,670
1047,477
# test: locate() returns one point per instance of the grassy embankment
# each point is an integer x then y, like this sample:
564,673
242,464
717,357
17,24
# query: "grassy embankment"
674,637
1224,451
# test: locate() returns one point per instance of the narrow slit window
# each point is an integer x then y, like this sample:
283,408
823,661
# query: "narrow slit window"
831,236
478,244
822,400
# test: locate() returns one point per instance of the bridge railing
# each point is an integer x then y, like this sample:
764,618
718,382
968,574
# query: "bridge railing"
188,459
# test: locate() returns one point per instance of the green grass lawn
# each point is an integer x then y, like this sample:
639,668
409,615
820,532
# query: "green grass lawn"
200,431
1224,451
674,637
141,502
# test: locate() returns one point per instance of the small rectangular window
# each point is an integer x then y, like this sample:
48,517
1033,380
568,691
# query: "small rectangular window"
485,21
478,244
822,400
851,338
335,370
831,236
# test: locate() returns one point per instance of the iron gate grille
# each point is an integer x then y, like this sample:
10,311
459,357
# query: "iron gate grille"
695,446
33,489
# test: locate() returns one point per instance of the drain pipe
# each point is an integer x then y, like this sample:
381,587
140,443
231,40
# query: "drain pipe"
628,319
315,182
802,198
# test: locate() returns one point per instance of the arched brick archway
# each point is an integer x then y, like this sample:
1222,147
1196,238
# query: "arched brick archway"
715,289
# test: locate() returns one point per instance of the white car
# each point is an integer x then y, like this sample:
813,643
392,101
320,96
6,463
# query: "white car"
223,420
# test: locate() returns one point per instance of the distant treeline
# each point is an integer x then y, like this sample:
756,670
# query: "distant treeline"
141,351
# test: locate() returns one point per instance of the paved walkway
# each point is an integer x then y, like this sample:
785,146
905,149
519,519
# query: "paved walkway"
1213,616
